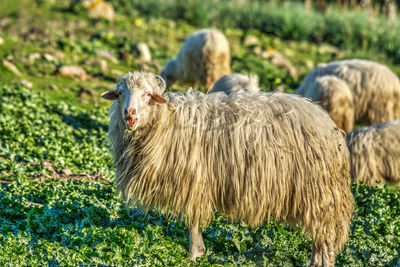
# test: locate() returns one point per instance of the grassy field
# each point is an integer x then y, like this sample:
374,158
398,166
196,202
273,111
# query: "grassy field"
57,201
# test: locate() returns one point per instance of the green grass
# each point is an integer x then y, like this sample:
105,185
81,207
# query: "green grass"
354,30
47,219
76,221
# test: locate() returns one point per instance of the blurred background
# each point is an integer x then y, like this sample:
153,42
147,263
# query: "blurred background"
278,40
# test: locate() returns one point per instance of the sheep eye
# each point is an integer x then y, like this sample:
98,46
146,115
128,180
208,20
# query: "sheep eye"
148,94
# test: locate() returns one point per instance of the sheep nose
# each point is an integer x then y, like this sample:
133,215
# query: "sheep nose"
130,111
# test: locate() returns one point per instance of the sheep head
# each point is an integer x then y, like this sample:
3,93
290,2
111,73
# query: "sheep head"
137,94
170,72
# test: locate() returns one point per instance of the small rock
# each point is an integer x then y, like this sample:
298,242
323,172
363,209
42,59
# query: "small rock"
98,63
1,41
292,44
257,50
279,60
49,57
144,67
265,54
53,87
289,53
142,52
268,53
73,71
116,72
46,164
32,57
171,24
309,63
58,54
106,54
11,67
251,40
323,49
10,58
277,40
100,9
4,22
278,89
66,171
26,83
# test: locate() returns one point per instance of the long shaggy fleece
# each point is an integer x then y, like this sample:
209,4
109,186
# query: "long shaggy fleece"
236,82
251,156
335,96
204,57
375,89
375,153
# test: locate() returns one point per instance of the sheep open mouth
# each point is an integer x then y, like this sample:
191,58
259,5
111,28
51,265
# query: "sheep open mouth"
131,122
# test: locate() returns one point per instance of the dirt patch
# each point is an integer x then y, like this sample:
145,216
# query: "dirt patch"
65,174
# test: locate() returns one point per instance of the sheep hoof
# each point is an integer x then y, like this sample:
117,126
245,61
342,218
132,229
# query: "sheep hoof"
195,254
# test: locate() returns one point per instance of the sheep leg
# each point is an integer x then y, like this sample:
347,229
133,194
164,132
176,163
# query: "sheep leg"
316,258
197,248
323,255
328,255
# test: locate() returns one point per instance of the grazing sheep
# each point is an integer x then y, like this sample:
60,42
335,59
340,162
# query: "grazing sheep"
204,57
236,82
336,97
375,91
251,156
375,153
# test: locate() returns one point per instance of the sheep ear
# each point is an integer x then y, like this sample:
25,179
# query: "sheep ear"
110,95
157,98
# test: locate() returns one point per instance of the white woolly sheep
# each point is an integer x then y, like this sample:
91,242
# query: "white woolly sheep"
375,91
336,97
236,82
375,153
251,156
204,57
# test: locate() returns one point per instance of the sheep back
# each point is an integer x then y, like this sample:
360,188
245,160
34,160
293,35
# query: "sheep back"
236,82
375,88
375,153
333,95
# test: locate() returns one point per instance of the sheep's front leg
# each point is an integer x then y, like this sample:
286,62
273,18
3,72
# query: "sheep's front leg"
197,248
328,255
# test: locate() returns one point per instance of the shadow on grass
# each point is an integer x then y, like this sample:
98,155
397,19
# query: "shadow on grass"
91,215
83,120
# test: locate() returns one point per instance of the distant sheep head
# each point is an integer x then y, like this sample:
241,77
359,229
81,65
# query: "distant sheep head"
170,72
137,93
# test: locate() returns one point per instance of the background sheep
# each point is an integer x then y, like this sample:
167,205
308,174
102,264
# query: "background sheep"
204,57
375,153
251,156
236,82
336,97
375,90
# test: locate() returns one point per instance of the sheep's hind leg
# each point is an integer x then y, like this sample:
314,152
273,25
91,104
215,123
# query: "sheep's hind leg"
323,255
316,258
197,248
328,255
